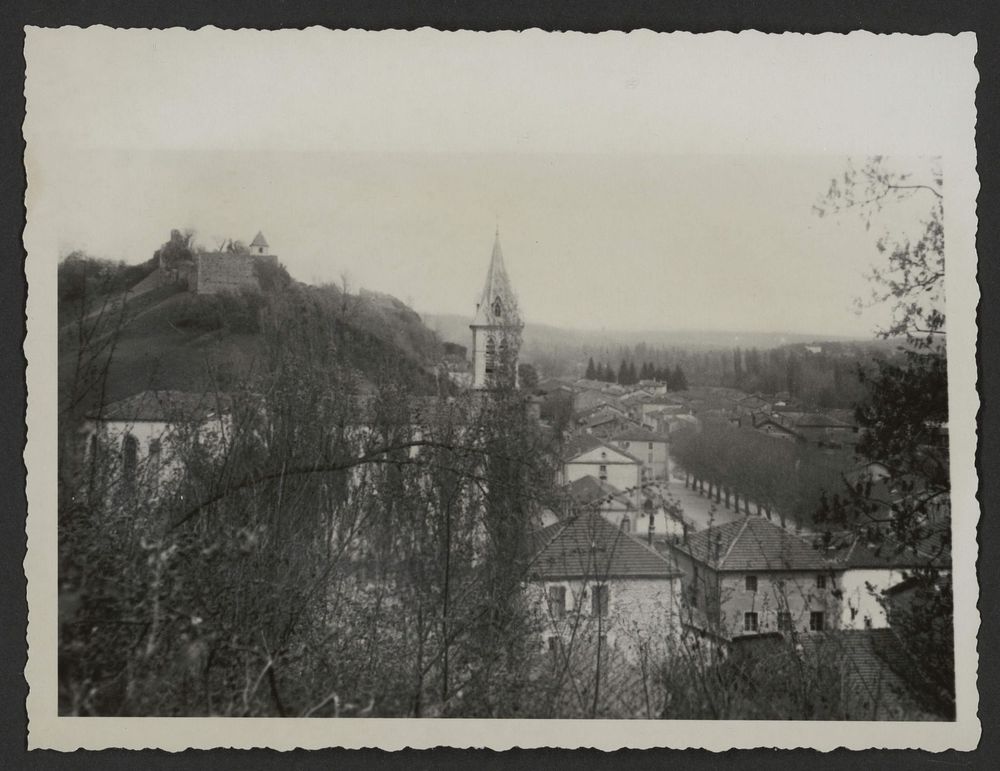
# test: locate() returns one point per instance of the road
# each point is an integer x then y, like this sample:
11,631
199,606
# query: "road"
697,508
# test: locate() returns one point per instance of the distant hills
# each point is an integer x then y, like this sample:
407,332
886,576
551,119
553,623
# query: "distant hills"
544,339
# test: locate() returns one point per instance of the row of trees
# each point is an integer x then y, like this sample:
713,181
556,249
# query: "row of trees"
778,477
824,379
629,375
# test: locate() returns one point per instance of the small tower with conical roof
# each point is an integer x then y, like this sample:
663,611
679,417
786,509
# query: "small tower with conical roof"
259,244
496,328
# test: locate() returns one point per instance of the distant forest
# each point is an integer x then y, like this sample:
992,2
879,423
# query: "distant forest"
823,375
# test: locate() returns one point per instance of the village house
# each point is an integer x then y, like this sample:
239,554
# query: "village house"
650,519
655,387
752,576
666,422
587,455
815,428
649,447
870,572
589,494
606,421
586,399
590,580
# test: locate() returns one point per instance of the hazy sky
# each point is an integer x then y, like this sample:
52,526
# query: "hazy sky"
638,183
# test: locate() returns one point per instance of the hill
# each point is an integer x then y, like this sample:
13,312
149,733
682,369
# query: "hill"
169,338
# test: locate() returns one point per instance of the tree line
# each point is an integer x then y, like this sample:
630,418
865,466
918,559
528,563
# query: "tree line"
675,378
776,477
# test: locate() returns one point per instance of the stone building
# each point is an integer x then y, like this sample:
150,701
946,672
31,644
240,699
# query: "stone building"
589,580
212,272
752,576
496,328
137,440
217,272
587,455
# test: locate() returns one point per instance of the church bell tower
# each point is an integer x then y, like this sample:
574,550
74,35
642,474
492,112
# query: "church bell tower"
496,328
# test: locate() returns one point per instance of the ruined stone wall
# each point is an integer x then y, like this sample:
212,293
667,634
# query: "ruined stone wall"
222,272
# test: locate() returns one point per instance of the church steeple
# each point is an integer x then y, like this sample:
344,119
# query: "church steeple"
498,303
496,326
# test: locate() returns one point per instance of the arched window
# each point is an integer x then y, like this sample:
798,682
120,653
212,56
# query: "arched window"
497,307
626,524
155,450
130,459
491,354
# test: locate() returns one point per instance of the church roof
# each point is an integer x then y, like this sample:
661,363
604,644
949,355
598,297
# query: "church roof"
497,292
259,240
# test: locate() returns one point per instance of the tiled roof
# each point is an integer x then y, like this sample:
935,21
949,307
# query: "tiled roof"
552,384
753,543
888,553
876,668
601,417
601,408
588,546
259,240
578,444
166,406
875,671
589,489
638,435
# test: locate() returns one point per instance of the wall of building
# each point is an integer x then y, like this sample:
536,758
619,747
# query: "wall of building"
223,272
861,589
655,456
638,521
623,475
780,591
724,599
153,470
641,611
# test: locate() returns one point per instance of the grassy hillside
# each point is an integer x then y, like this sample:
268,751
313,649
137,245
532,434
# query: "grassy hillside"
171,339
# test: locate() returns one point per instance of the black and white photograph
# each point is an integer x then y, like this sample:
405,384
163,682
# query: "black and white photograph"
589,388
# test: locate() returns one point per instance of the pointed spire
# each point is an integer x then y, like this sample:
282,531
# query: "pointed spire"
498,303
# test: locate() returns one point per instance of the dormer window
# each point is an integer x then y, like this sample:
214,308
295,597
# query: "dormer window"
497,307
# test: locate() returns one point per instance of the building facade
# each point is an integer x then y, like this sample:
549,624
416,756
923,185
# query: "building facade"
590,580
753,577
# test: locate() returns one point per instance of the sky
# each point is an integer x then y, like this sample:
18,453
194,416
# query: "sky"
638,182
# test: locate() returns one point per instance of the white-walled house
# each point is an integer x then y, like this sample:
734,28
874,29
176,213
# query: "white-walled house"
649,447
870,570
589,580
139,435
586,455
